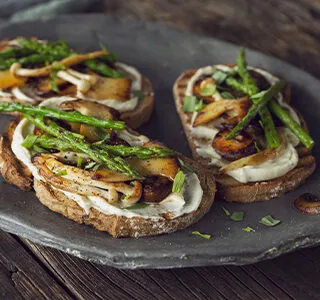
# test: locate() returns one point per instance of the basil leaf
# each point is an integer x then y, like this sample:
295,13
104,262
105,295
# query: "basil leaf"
248,229
187,168
205,236
269,221
226,95
138,206
226,211
192,104
237,216
209,91
178,182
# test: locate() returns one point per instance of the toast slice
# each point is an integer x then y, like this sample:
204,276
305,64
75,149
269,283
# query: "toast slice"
15,172
114,92
230,189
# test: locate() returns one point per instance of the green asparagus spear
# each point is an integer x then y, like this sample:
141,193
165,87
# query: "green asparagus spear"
287,120
74,116
77,144
252,89
48,142
14,53
103,69
256,107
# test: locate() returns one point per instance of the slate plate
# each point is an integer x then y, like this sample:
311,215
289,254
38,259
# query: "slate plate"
161,53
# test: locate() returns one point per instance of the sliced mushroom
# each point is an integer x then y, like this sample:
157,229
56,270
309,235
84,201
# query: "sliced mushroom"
83,85
256,159
233,149
94,109
308,203
135,196
110,88
69,61
155,189
213,110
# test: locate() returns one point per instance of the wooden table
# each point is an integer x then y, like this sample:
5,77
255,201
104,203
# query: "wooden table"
286,29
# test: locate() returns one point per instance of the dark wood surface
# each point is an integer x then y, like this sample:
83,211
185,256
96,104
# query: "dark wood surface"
286,29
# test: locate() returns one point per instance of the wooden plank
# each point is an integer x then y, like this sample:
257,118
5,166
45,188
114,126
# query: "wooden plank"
286,29
297,276
22,276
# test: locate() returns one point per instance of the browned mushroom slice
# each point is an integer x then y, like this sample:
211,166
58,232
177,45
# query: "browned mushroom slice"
308,203
108,176
167,167
110,88
215,109
155,189
94,109
233,149
256,159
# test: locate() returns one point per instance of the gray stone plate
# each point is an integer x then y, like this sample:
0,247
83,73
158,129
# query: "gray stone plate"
161,53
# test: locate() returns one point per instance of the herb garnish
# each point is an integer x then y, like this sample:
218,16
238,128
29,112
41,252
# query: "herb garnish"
256,146
269,221
187,168
226,95
220,76
205,236
237,216
79,162
248,229
209,91
53,76
59,174
226,211
138,94
192,104
178,182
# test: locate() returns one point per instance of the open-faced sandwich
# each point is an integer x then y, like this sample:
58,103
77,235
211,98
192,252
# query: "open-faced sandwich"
86,165
238,120
33,70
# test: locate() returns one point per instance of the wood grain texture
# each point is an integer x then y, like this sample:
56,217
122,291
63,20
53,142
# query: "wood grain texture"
22,277
285,29
283,278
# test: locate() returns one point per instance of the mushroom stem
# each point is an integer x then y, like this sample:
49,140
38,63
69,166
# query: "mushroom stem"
83,85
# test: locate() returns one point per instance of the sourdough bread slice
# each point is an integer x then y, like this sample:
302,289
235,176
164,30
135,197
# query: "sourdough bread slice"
16,173
122,226
230,189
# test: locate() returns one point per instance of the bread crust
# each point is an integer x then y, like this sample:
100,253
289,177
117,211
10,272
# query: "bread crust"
16,173
142,113
230,189
122,226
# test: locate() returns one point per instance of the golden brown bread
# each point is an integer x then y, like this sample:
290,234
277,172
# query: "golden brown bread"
121,226
230,189
16,173
141,114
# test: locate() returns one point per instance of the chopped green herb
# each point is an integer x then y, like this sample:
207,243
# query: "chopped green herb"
220,76
269,221
178,182
248,229
138,206
209,91
226,211
102,134
79,161
90,165
29,141
226,95
96,167
187,168
192,104
256,146
126,197
59,174
138,94
205,236
237,216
